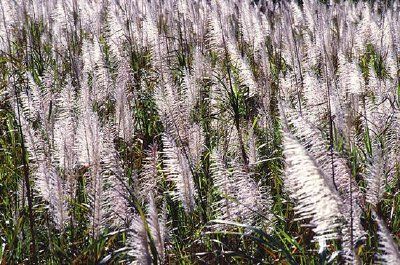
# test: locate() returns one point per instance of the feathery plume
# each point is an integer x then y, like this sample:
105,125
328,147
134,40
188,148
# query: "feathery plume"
316,198
138,241
149,176
179,172
389,250
375,176
337,175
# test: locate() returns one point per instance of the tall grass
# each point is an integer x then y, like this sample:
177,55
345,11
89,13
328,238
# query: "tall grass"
199,132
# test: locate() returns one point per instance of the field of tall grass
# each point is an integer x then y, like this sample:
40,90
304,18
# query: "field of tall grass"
199,132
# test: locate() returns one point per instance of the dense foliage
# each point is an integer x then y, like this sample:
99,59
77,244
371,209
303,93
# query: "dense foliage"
199,132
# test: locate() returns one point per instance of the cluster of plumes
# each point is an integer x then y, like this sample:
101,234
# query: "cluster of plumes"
242,199
337,82
341,88
70,142
51,155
